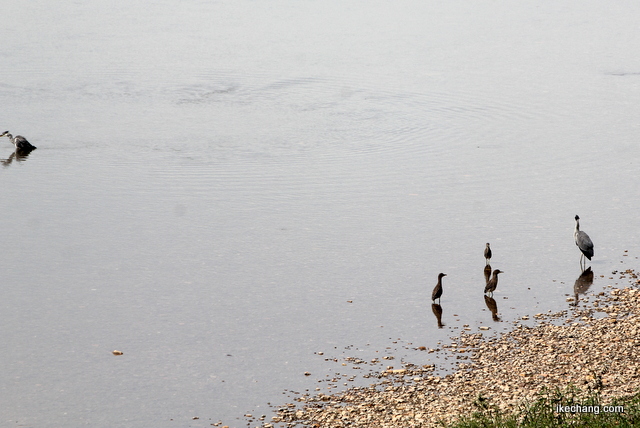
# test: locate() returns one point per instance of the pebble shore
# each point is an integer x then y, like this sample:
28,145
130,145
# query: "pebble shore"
596,349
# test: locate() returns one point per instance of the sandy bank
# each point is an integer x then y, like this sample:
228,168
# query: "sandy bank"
596,350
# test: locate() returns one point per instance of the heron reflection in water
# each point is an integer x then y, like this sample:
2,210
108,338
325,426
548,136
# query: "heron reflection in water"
492,306
582,284
18,155
437,311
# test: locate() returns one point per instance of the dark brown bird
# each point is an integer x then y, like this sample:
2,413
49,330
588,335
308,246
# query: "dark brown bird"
487,253
437,291
493,282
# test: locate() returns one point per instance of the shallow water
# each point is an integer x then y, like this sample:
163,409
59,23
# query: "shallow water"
222,190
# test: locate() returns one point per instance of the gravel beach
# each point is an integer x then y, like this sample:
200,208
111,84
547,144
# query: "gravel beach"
595,348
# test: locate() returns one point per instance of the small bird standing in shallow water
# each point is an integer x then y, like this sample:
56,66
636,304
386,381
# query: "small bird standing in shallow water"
493,282
437,291
487,253
583,241
19,141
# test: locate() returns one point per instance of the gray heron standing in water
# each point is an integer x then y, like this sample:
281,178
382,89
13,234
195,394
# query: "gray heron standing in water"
19,141
493,282
437,291
583,241
487,253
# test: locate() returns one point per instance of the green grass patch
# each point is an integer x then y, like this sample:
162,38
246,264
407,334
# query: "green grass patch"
570,407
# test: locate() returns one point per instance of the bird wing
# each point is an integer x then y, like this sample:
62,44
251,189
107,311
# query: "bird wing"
435,292
583,241
22,143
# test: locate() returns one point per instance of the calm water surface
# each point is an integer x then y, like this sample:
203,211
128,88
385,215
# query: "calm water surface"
222,190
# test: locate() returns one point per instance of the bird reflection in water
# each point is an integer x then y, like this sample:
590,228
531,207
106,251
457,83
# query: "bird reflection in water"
582,284
487,274
492,306
437,311
19,155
